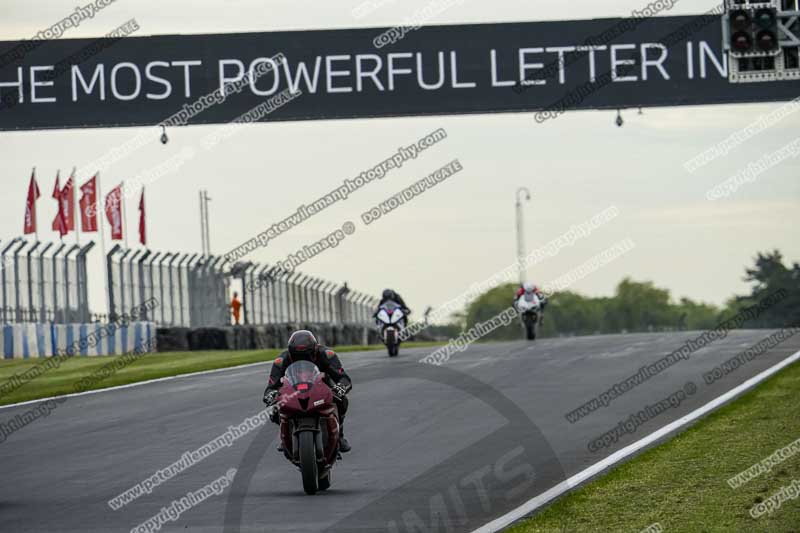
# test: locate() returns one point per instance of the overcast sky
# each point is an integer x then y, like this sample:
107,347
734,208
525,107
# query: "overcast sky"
462,231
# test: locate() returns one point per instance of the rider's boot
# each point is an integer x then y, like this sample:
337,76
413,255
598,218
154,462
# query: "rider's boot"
344,446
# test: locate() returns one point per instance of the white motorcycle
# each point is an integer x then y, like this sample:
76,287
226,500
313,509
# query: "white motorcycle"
391,320
530,310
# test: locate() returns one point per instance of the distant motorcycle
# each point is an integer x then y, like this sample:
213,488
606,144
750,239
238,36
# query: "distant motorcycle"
530,310
309,422
391,319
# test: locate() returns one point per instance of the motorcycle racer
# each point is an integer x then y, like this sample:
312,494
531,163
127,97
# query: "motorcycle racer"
303,346
528,288
390,295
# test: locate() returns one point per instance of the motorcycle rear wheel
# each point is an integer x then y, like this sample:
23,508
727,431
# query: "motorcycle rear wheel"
308,462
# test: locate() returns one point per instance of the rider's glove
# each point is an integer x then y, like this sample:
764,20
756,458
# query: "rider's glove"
339,390
270,396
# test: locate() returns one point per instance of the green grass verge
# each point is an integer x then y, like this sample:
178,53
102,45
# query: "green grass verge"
682,484
61,380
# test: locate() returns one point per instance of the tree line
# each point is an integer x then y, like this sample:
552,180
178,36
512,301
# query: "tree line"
640,306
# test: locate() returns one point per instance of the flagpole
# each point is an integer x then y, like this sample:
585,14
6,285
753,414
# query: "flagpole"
124,213
36,215
60,235
144,216
101,227
76,222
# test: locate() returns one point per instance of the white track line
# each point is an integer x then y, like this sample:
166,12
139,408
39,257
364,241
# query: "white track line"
556,491
138,383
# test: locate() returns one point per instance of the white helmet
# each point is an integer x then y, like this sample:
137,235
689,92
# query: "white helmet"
528,287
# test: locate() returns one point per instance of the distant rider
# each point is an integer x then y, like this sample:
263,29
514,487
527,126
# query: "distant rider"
391,295
532,288
303,346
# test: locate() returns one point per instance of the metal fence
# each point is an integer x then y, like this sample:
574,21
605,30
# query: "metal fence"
43,282
47,282
272,295
189,290
192,291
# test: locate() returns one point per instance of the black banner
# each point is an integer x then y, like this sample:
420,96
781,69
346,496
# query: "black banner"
328,74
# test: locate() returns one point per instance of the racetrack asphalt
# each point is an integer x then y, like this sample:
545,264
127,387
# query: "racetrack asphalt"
445,448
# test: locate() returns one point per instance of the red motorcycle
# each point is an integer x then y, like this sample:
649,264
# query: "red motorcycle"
309,423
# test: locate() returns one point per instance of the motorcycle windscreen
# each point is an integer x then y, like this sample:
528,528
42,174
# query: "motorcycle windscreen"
301,374
532,299
390,306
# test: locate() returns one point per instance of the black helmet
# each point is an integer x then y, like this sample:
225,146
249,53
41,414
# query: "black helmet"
302,345
388,294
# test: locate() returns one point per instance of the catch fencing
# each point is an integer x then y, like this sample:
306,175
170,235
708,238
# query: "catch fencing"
273,295
48,283
193,290
44,282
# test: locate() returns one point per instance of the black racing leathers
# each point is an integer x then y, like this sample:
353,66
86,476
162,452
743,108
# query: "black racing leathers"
326,360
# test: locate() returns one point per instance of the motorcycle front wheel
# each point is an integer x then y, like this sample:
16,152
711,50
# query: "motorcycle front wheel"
308,462
530,328
325,482
391,343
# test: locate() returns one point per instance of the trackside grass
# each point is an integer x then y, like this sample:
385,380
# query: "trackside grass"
682,484
62,380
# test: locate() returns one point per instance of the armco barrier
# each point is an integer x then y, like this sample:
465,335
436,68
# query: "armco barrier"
263,337
26,341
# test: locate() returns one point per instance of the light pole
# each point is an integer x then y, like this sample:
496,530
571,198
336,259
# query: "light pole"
202,221
205,236
521,233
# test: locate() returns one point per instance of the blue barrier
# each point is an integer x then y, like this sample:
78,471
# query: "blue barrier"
26,341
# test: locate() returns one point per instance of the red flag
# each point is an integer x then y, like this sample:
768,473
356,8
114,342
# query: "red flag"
114,212
88,204
30,205
68,205
142,227
58,222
